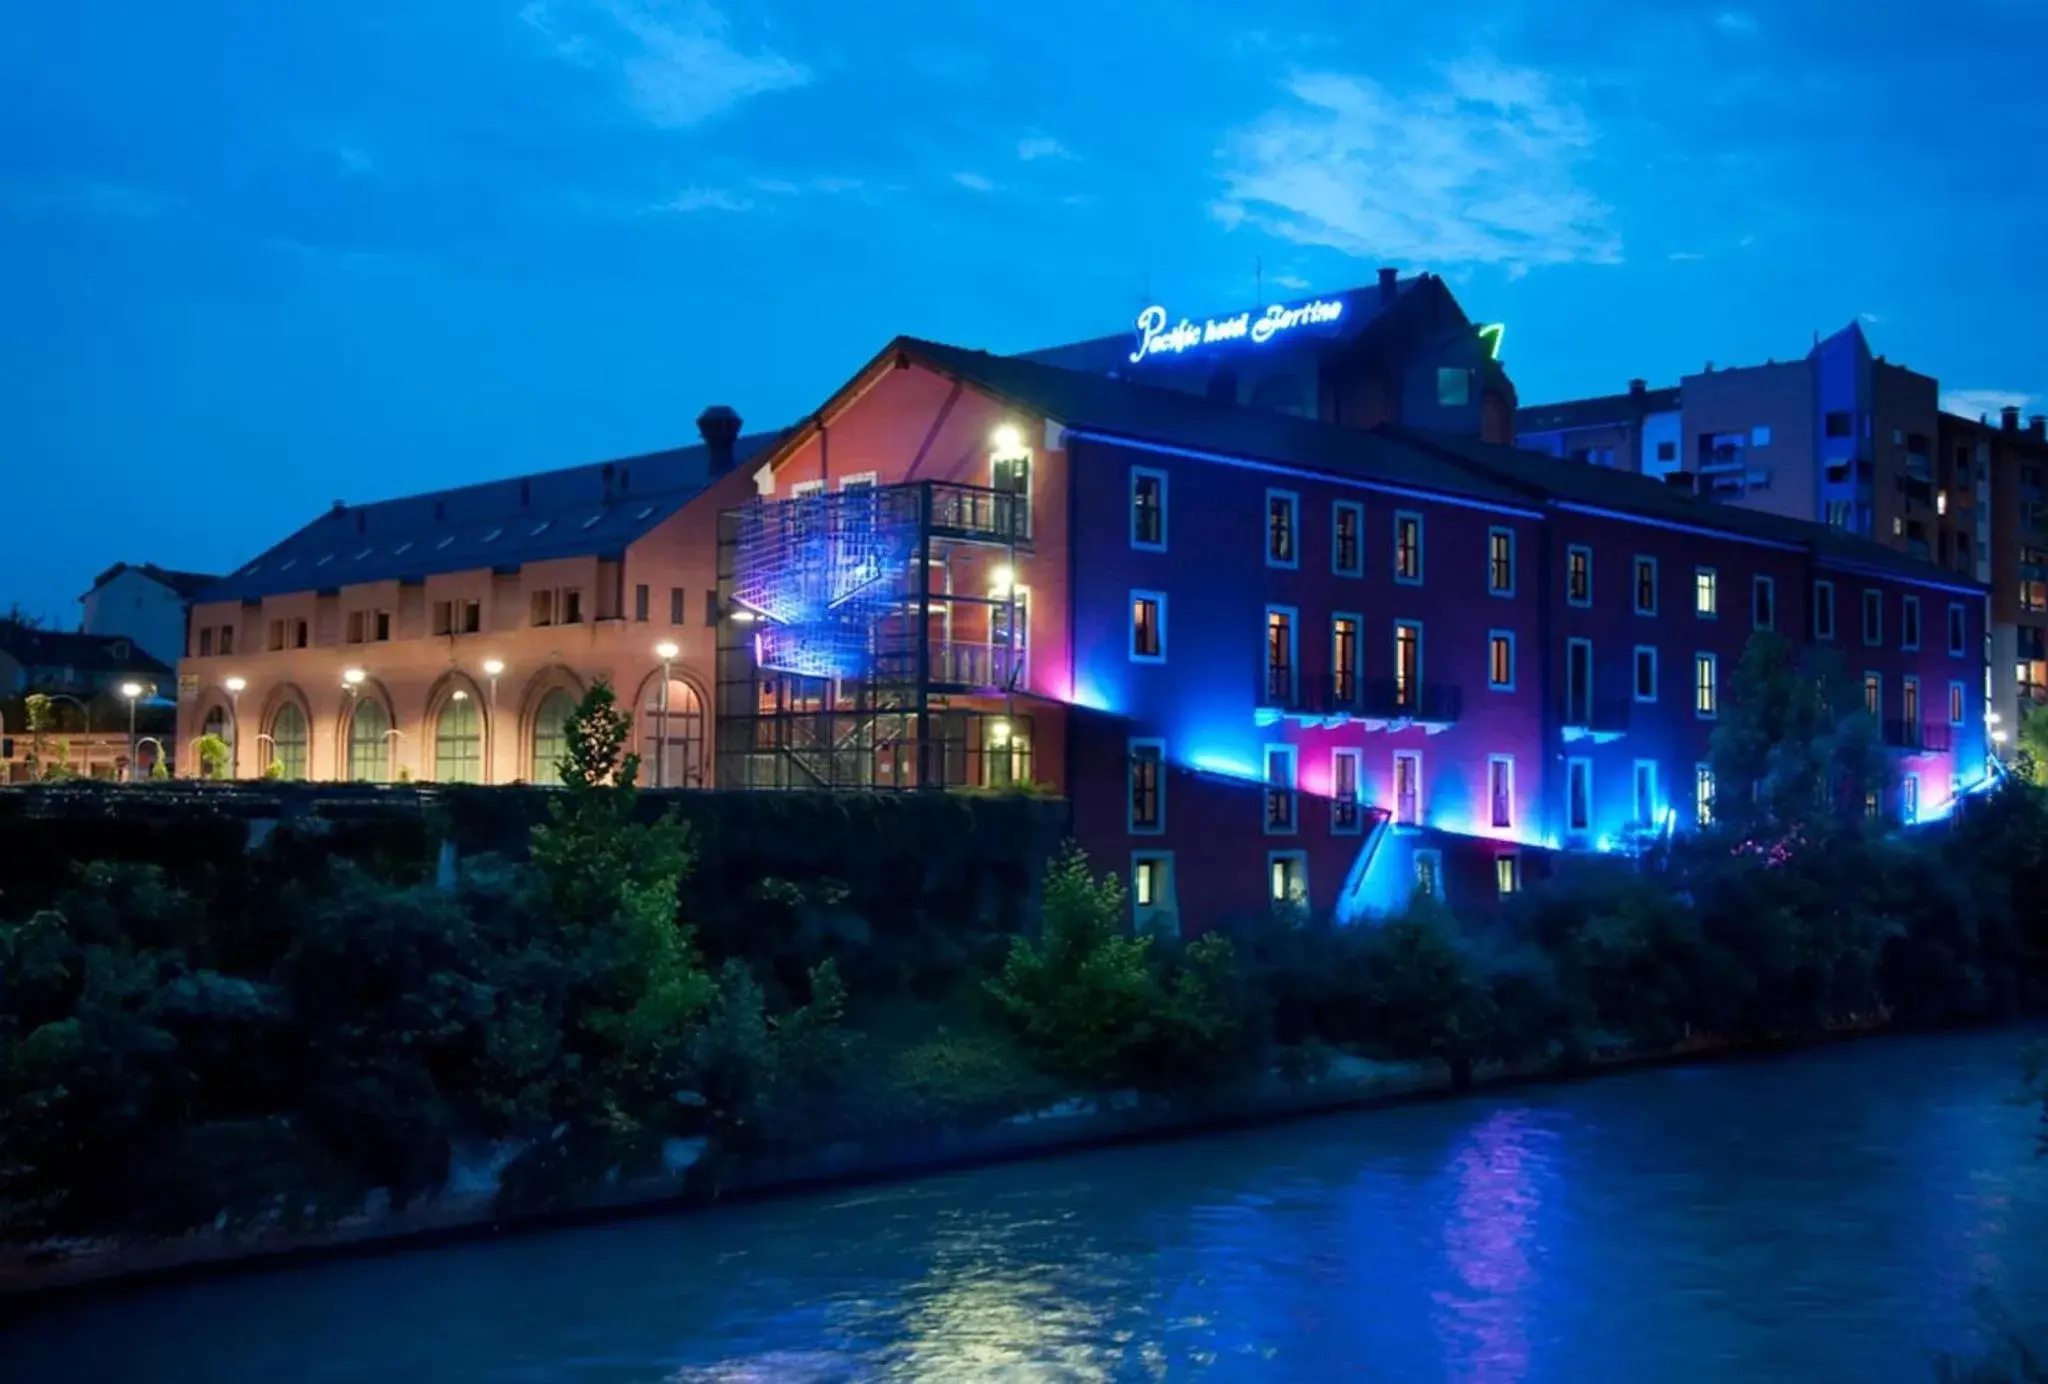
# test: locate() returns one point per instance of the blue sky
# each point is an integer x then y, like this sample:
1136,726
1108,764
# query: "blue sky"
259,256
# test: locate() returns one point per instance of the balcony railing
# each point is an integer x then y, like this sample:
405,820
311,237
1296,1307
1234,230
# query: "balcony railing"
1933,737
969,511
1425,703
1287,691
964,664
1599,719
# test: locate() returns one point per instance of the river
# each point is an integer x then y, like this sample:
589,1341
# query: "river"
1827,1216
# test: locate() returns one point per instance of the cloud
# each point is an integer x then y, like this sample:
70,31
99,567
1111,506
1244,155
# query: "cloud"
1978,403
1870,317
676,61
705,199
1033,147
1293,281
1736,22
784,187
1479,170
974,182
1685,256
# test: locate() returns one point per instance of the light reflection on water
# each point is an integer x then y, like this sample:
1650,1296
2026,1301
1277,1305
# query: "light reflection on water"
1823,1217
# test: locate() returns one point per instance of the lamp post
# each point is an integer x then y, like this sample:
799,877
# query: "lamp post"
131,690
351,683
235,687
666,651
493,668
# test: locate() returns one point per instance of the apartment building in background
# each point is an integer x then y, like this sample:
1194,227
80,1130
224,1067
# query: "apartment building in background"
143,603
2006,464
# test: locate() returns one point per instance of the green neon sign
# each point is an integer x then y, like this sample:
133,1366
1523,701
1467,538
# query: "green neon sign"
1491,335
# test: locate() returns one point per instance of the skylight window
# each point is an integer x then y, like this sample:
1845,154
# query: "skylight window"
364,553
492,536
402,549
325,558
540,528
592,521
646,512
445,542
289,563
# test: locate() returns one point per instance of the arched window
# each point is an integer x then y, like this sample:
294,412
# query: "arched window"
459,740
369,742
550,735
672,739
216,723
288,741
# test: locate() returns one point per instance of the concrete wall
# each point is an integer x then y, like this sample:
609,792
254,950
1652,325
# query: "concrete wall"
142,608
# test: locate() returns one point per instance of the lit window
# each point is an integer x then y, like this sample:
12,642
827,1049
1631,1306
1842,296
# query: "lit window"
1344,659
1500,661
1287,876
1147,786
1873,693
1407,788
1152,881
1500,562
1407,665
1429,874
1507,874
1703,794
1279,655
1148,627
1578,575
1955,703
1280,508
1345,816
1408,548
1706,685
1706,595
1646,586
1909,798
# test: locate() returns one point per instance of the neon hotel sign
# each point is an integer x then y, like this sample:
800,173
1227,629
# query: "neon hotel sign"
1157,338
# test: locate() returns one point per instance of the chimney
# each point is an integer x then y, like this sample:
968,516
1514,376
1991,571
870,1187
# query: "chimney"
2037,427
1638,388
610,470
721,428
2009,417
1390,280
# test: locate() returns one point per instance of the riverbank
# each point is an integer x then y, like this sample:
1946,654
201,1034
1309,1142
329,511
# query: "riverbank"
1352,1084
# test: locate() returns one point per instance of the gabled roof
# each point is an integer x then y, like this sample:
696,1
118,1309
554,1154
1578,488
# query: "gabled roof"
1151,414
186,584
1595,487
88,653
598,508
1603,411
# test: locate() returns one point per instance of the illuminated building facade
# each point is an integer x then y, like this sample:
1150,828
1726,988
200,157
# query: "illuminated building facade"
1274,659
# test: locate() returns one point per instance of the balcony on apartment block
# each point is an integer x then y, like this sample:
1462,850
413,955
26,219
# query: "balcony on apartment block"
1286,693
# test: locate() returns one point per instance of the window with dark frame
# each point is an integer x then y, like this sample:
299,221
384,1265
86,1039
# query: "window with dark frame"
1148,509
1280,529
1145,787
1147,639
1578,575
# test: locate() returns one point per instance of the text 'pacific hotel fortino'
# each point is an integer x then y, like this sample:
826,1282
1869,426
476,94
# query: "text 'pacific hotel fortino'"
1270,598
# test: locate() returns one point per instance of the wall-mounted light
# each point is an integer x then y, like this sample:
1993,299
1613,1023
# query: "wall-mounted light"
1000,580
236,685
999,732
1007,439
352,677
493,667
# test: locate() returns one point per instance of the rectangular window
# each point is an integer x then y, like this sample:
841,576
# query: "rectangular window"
1763,604
1148,510
1500,790
1152,881
1578,682
1345,816
276,635
1838,424
1578,794
1344,658
206,642
1407,664
1507,874
675,605
1287,876
302,634
442,620
1453,386
1909,623
1873,617
640,603
1500,660
227,639
470,617
1148,787
1823,610
540,608
1408,548
1955,703
1280,532
1646,673
1280,789
1646,586
572,606
1956,625
1407,788
1909,798
1873,805
1500,562
1578,575
1873,694
1347,538
355,627
1148,627
380,626
1429,874
1280,655
1909,708
1702,794
1645,793
1706,678
1706,593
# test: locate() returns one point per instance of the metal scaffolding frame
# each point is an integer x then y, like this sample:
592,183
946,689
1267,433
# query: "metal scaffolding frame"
870,639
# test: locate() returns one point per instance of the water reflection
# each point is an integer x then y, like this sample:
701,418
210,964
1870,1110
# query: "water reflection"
1826,1217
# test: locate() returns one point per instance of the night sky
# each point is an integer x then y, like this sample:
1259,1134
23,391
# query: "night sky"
262,256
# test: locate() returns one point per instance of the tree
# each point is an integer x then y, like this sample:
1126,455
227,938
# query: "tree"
20,618
1793,747
213,756
2033,742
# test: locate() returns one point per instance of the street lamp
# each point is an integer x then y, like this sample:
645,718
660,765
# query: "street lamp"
493,667
131,690
352,678
666,651
235,687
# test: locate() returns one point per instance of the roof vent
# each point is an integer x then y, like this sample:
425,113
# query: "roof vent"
1390,284
525,493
